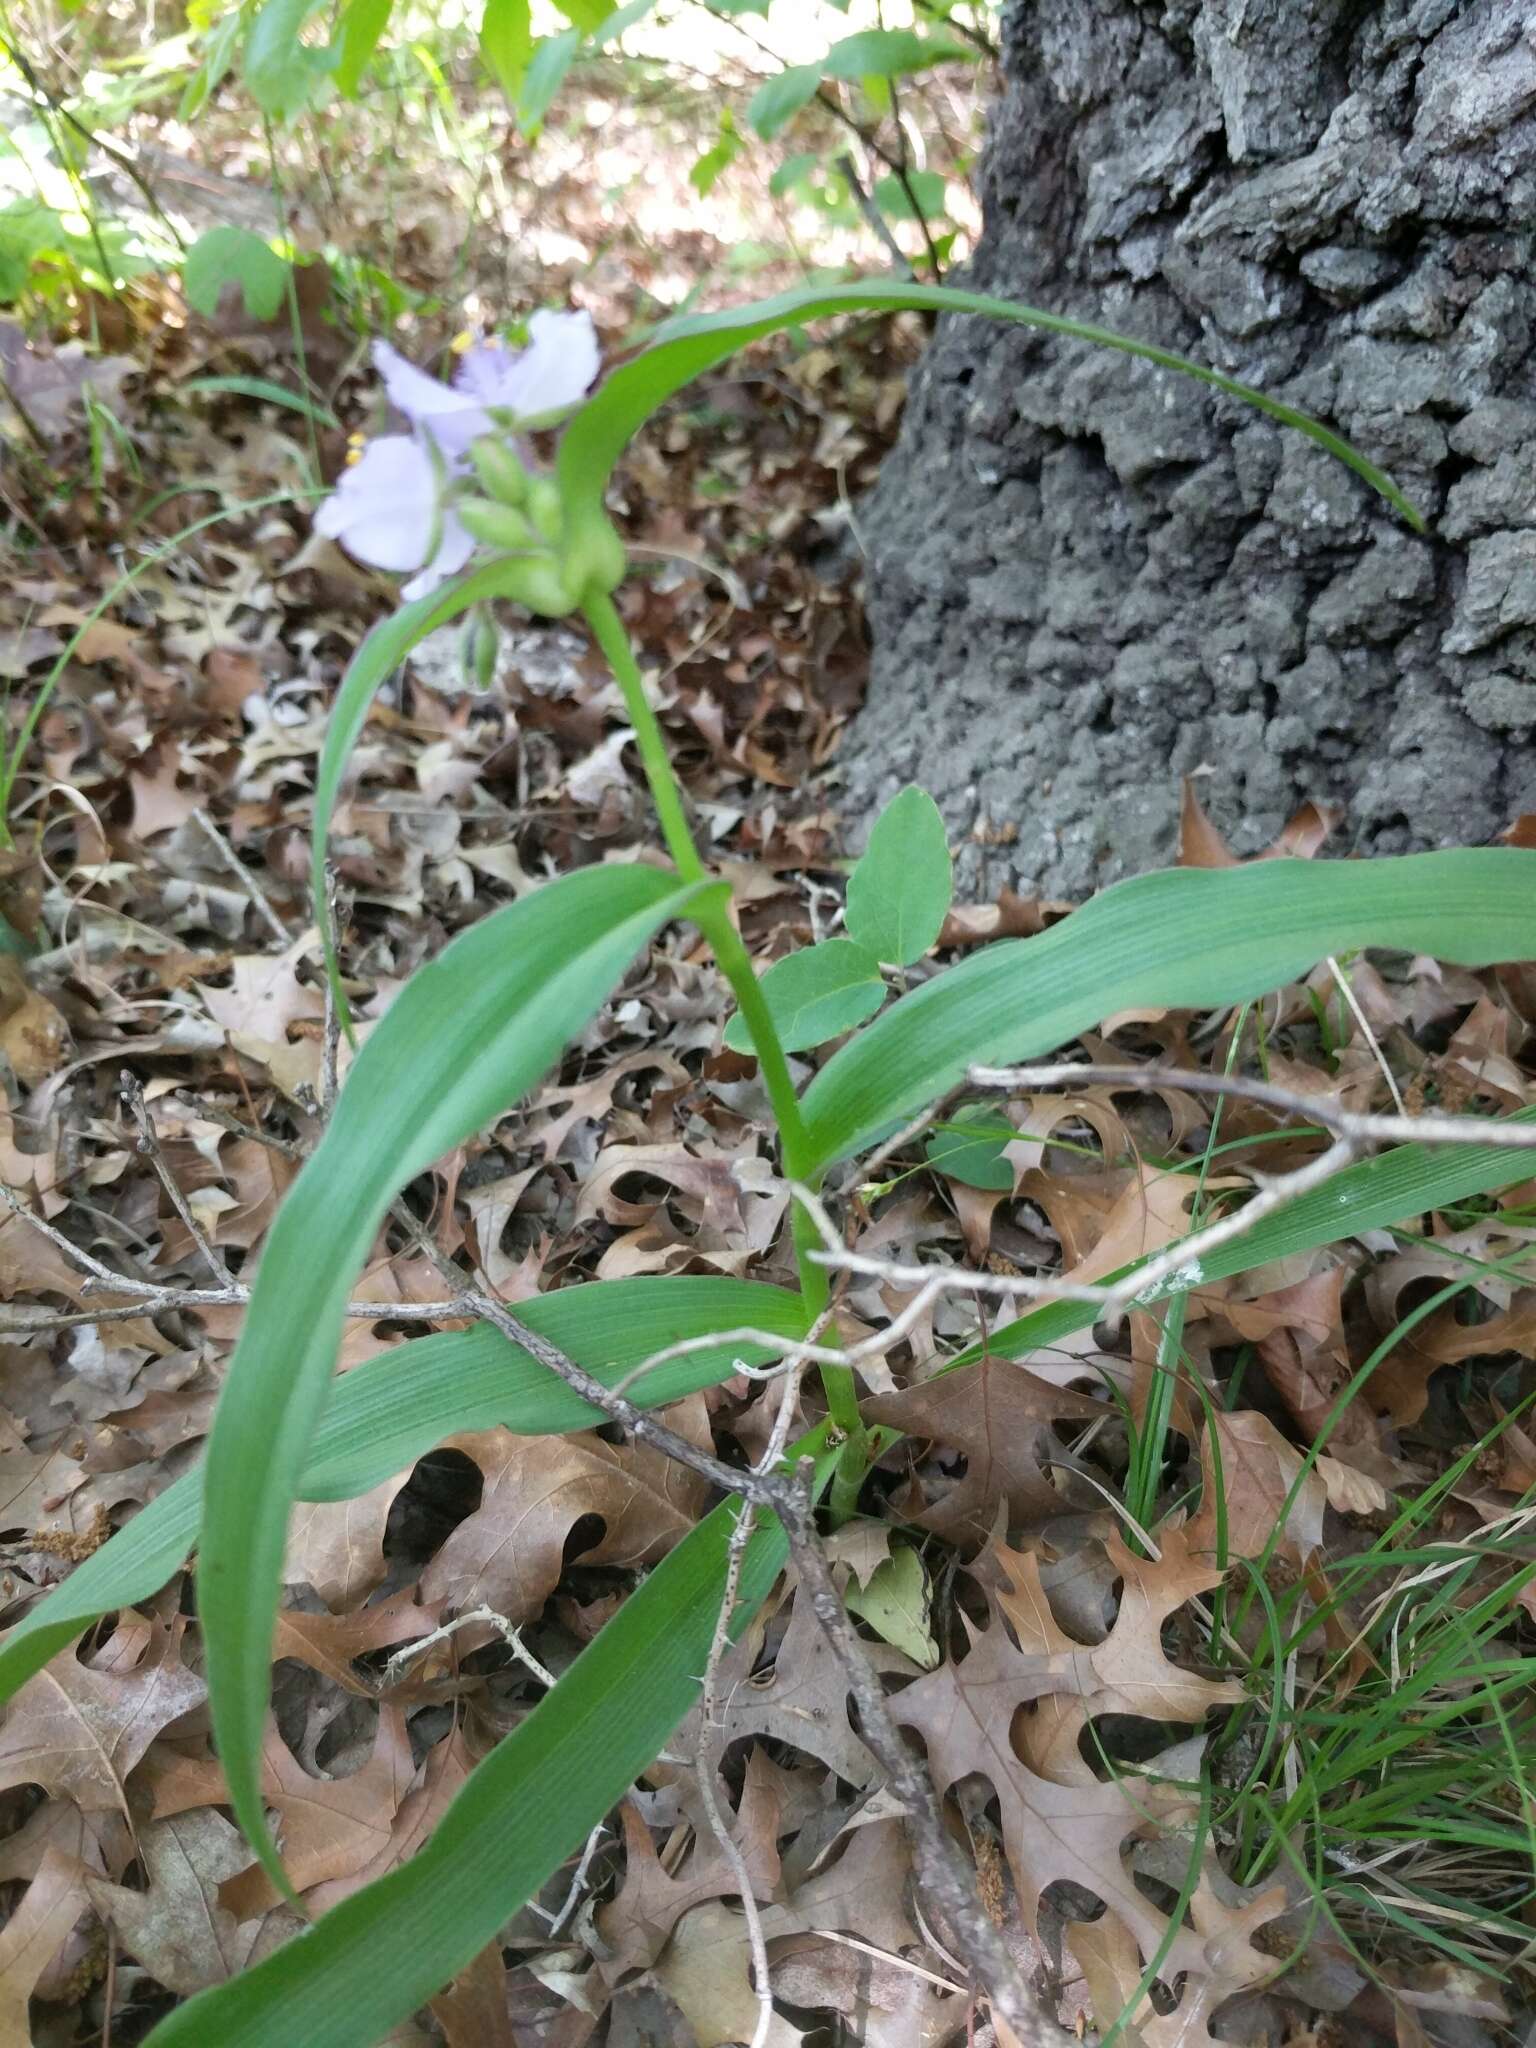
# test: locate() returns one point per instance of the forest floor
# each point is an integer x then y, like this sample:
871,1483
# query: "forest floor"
1289,1789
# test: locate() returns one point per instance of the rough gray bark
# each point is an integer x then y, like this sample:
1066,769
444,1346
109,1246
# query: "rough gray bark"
1089,577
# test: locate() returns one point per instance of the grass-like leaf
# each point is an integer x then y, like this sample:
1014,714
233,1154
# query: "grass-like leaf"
385,1414
383,1952
465,1037
1190,938
683,349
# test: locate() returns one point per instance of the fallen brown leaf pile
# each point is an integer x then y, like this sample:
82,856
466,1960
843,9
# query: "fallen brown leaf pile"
1046,1658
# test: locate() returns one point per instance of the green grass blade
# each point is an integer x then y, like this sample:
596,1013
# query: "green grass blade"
1190,938
383,1952
463,1039
684,348
385,1414
267,393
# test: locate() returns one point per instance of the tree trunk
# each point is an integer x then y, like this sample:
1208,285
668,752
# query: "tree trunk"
1090,578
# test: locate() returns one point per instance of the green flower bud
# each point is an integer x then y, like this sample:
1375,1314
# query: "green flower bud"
499,526
501,475
479,648
545,507
597,558
539,583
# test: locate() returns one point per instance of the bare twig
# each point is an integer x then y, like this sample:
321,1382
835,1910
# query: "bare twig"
942,1871
741,1536
1183,1257
244,877
876,220
512,1637
123,158
578,1882
149,1146
1364,1130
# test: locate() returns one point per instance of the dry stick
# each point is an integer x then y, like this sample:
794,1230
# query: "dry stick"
1182,1257
942,1871
149,1146
244,877
741,1536
874,218
509,1634
1365,1130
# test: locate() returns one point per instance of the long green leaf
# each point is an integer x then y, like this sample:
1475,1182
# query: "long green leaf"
392,1408
1190,938
466,1036
682,349
384,1951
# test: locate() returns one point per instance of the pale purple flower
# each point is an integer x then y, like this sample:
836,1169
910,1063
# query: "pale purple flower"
551,373
388,509
393,507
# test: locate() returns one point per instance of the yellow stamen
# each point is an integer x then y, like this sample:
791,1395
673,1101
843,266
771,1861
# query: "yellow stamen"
354,456
461,342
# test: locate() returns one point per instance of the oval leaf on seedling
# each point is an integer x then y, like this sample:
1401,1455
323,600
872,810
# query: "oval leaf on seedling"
899,893
815,994
970,1149
896,1603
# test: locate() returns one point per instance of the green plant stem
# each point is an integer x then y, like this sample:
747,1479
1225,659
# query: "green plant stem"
601,614
714,920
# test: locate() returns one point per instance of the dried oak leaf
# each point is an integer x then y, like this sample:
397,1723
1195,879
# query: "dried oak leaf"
707,1972
1128,1672
337,1546
638,1921
1106,1952
440,1774
1247,1466
1073,1831
33,1936
801,1700
472,2012
327,1828
706,1969
330,1643
78,1730
176,1928
510,1553
34,1037
1299,1334
999,1414
895,2008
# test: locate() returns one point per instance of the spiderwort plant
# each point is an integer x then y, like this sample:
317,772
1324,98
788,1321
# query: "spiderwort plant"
464,514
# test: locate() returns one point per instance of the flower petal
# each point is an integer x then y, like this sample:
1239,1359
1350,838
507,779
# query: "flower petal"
454,550
384,507
552,372
452,418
